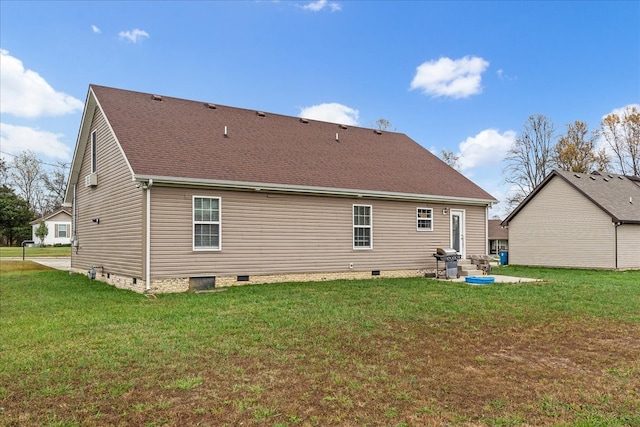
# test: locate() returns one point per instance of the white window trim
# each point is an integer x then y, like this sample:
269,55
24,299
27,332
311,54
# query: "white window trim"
94,152
370,227
193,225
418,228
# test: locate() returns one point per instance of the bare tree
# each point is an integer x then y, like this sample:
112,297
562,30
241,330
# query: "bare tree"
450,158
382,124
576,150
622,134
4,172
25,177
530,159
55,181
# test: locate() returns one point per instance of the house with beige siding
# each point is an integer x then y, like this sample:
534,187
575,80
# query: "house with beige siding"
498,237
169,195
578,220
58,226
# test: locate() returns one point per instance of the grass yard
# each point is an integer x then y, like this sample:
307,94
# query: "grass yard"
386,352
35,252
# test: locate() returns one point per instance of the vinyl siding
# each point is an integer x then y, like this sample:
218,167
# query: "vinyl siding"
476,230
629,246
276,233
560,227
116,242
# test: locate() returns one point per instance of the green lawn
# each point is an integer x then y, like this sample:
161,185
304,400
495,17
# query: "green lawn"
401,352
35,252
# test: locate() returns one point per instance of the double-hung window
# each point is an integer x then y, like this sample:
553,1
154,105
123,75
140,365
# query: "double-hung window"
362,227
206,223
62,230
425,219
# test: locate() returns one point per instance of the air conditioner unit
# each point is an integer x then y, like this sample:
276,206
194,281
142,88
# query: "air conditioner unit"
91,180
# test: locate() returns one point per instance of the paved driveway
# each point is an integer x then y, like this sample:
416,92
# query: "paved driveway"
59,263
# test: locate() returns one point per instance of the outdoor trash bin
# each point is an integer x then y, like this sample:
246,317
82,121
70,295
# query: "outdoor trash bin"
504,257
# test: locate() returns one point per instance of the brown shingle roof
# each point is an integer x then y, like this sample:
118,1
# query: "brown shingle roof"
496,231
616,195
174,137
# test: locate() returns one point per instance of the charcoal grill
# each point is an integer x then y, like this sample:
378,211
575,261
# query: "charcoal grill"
450,258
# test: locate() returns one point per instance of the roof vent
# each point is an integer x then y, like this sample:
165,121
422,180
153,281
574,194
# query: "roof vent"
226,133
211,106
337,137
378,131
576,175
304,121
593,178
343,127
156,97
609,175
260,113
606,179
620,177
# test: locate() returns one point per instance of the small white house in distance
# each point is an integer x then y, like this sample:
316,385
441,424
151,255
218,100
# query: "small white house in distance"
59,227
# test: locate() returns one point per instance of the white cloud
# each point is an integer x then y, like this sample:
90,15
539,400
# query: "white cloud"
95,29
620,111
133,35
26,94
459,78
318,5
331,112
488,148
15,139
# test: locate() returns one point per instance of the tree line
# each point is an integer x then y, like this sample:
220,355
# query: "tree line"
539,149
29,189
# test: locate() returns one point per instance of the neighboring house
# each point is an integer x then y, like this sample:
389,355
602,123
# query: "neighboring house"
578,220
58,225
170,194
498,237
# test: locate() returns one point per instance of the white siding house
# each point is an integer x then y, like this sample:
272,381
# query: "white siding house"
58,225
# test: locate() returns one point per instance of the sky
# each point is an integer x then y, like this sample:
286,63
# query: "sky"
460,76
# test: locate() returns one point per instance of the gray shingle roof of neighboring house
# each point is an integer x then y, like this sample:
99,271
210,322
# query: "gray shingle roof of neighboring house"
616,195
197,142
496,231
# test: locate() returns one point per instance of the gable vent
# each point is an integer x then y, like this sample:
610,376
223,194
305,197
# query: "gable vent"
260,113
304,121
378,131
156,97
211,106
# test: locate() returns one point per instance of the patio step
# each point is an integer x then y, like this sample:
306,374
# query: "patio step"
466,268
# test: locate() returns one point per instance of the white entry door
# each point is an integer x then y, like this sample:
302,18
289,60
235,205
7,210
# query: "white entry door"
458,231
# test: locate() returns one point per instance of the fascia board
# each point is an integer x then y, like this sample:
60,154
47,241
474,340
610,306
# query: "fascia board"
320,191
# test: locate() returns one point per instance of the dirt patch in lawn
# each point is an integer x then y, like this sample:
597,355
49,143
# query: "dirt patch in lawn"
413,373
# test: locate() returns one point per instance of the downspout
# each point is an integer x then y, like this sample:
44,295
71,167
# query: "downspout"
615,251
486,229
148,237
74,221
